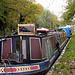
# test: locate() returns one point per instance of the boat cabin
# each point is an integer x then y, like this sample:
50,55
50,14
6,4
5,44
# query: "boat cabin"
27,47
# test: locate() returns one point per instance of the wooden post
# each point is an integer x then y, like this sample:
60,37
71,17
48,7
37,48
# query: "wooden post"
18,28
34,29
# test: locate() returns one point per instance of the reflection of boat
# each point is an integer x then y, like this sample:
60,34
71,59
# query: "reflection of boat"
24,52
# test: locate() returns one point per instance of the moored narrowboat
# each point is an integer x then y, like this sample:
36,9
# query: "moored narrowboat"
26,53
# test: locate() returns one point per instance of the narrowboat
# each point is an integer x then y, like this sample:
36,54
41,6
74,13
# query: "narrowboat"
67,29
24,52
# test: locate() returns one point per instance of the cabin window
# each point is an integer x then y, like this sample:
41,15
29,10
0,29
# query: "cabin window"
48,48
43,48
16,45
6,48
53,42
35,49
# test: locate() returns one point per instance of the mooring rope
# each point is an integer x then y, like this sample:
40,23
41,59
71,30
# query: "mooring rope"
6,65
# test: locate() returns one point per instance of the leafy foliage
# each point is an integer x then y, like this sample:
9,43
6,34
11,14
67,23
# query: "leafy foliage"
47,20
13,12
70,11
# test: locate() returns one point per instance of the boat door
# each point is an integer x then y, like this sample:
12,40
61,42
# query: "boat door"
21,46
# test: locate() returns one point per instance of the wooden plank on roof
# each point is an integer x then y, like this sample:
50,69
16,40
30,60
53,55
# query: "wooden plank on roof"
26,33
22,25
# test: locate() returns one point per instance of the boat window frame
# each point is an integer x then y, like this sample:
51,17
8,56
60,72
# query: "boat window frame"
48,55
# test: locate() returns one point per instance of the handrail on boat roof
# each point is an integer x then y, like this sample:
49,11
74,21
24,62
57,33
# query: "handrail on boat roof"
26,33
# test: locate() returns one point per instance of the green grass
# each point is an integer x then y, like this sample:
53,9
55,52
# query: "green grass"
70,51
63,68
73,32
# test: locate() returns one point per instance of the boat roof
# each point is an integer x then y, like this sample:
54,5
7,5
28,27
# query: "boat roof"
27,30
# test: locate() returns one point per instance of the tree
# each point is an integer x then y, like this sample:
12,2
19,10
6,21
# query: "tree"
48,20
26,9
70,11
2,17
18,11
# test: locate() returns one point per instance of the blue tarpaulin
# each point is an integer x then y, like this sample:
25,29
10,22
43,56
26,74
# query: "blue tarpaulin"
66,29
